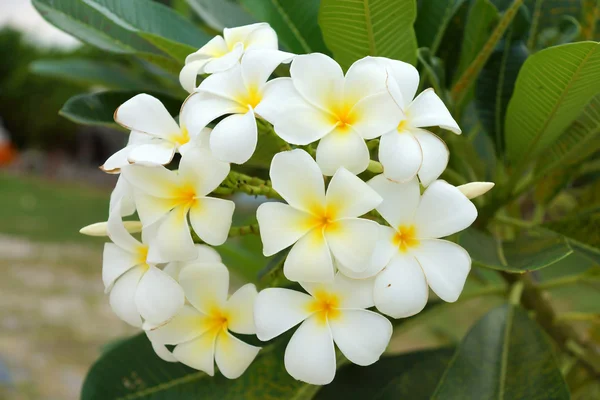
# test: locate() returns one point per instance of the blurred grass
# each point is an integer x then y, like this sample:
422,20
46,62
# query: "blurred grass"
48,211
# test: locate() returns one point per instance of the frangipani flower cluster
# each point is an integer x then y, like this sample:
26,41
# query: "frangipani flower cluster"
352,244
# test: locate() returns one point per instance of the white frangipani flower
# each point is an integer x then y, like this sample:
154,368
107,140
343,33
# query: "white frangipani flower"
318,224
205,254
101,228
155,135
167,197
407,149
238,91
138,289
421,258
333,312
319,102
122,194
222,53
201,329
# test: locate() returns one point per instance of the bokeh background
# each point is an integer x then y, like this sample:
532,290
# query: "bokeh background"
54,316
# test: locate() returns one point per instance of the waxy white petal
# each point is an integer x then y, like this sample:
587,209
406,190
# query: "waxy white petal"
427,109
188,324
365,77
144,113
122,296
446,266
123,193
400,200
401,289
233,356
301,125
206,254
375,115
352,242
351,293
198,353
228,85
435,156
118,234
189,73
156,181
475,189
403,81
384,250
279,96
240,310
443,210
259,64
281,226
156,153
342,149
199,168
263,37
205,285
348,196
277,310
298,179
234,138
310,355
162,351
225,62
318,78
150,208
173,237
361,335
309,260
401,156
211,219
158,297
115,262
202,108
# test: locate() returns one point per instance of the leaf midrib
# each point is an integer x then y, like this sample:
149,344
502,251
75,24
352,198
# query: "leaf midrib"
369,26
291,25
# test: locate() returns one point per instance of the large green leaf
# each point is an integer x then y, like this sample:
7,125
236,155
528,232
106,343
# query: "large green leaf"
533,250
294,20
407,376
99,108
433,19
219,14
582,231
353,29
552,88
89,72
131,370
505,355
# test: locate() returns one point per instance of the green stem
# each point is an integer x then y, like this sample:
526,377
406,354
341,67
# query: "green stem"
564,281
244,230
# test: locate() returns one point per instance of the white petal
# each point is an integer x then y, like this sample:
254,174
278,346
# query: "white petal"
185,326
202,108
263,37
122,296
211,219
298,179
309,260
281,226
234,138
205,285
400,200
162,351
475,189
173,238
401,156
122,194
310,355
158,296
352,242
342,149
278,95
403,82
435,156
401,289
118,234
156,181
365,77
158,153
446,266
348,196
384,250
225,62
228,85
427,109
233,356
189,73
198,353
207,254
118,160
200,169
259,64
215,47
318,78
115,262
240,310
150,208
352,293
361,335
277,310
147,114
301,125
443,210
375,115
241,33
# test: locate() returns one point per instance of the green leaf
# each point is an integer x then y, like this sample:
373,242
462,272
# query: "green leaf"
533,250
295,22
433,19
481,19
406,376
582,231
89,72
552,88
354,29
505,355
131,370
434,68
99,108
219,14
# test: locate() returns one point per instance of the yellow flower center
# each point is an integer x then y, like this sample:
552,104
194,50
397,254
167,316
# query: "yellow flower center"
402,126
185,194
218,319
251,97
405,237
182,137
343,117
325,305
142,255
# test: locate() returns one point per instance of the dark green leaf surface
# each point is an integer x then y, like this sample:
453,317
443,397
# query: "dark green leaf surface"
433,19
130,370
407,376
99,108
295,22
582,231
553,87
353,29
219,14
504,356
534,250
